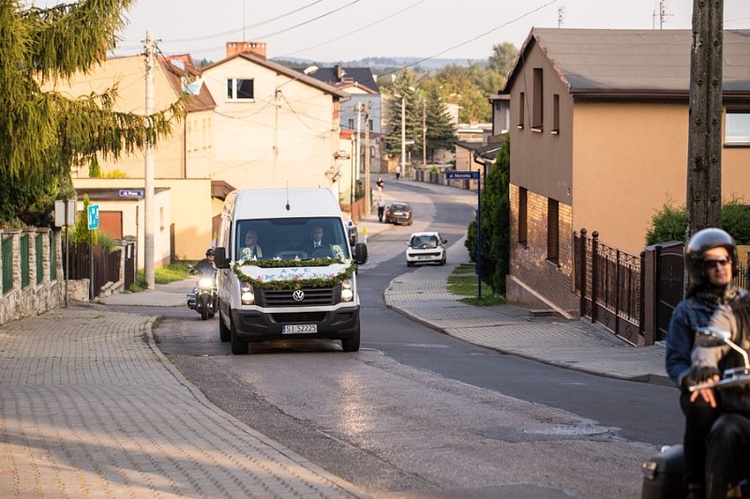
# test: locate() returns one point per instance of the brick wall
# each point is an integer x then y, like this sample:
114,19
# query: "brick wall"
535,281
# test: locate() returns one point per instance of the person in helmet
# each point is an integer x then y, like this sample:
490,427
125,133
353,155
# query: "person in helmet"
206,263
710,259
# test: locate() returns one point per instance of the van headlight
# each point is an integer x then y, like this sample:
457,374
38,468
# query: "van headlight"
347,290
246,293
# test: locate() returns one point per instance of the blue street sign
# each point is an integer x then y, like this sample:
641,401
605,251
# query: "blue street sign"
93,214
461,175
132,193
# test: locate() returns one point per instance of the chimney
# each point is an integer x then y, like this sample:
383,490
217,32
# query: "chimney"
339,72
257,48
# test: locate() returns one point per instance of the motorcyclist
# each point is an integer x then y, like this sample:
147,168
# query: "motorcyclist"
710,257
728,443
206,263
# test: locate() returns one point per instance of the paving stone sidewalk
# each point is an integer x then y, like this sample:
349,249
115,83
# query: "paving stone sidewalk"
90,408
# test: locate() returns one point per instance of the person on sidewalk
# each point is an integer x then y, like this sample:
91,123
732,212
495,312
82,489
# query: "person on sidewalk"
710,257
728,444
381,208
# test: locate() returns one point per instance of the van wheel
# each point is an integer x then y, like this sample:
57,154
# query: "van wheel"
224,334
239,347
351,344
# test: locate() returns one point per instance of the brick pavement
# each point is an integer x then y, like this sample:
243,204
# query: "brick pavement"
90,408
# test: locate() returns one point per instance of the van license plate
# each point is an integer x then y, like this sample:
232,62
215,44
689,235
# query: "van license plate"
299,328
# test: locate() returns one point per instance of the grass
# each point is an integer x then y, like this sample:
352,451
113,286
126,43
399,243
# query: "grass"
173,272
463,282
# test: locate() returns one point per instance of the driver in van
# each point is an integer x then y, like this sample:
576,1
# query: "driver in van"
316,242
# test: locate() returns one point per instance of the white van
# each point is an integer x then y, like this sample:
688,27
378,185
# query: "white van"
274,283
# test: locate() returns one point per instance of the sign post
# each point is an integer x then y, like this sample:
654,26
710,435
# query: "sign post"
93,216
65,216
470,175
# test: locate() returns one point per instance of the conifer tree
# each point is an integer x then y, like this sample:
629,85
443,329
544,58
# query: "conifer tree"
42,133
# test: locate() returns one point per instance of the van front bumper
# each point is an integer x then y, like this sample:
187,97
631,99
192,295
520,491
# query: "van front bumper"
253,325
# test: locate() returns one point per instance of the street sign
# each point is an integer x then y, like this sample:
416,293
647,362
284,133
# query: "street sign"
93,214
65,212
132,193
461,175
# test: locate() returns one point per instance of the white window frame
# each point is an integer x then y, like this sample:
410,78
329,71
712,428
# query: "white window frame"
233,97
737,127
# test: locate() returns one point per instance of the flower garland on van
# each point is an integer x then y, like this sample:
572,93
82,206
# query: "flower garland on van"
294,274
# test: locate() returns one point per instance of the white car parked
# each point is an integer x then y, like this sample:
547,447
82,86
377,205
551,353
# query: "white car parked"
425,247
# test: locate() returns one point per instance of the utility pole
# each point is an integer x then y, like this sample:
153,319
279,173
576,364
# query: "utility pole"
424,134
403,135
148,211
358,148
560,13
367,157
703,198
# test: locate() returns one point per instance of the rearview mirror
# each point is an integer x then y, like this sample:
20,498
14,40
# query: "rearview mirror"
711,337
220,258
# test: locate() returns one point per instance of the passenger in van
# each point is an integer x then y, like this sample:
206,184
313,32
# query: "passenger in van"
251,250
317,243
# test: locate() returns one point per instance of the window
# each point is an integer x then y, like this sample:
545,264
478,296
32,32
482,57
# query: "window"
553,230
737,127
523,228
555,114
521,107
537,114
351,123
240,89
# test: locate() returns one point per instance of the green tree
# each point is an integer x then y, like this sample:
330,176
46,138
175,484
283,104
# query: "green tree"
441,132
404,87
670,223
44,133
502,58
495,223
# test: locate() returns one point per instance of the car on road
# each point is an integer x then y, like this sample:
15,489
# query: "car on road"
426,247
398,213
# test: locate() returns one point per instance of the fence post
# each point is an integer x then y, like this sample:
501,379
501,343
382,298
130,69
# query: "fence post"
594,273
582,269
642,303
617,292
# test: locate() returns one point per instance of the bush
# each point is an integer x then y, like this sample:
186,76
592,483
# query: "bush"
670,224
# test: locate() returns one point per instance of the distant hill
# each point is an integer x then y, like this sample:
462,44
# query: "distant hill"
385,62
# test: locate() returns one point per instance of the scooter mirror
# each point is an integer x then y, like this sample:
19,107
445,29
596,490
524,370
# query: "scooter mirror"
712,337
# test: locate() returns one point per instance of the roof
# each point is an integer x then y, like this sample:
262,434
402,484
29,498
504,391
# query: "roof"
635,62
349,77
280,69
285,203
184,75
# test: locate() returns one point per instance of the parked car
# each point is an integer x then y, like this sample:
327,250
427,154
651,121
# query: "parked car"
425,247
398,213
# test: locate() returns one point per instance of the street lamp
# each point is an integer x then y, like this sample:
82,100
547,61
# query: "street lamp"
277,92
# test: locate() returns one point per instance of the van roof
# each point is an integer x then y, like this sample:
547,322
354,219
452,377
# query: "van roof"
273,203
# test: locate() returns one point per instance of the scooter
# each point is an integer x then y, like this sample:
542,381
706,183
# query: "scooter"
205,296
663,473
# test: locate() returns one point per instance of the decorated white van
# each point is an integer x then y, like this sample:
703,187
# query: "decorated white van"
287,268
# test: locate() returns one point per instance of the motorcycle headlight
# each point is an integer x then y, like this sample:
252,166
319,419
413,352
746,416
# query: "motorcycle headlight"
347,290
205,283
246,293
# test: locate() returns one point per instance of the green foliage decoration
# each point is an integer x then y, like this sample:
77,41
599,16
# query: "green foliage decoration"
333,280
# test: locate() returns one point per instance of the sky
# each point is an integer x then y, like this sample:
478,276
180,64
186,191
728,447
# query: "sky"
348,30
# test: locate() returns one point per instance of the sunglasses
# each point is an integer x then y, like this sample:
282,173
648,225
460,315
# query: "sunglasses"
712,264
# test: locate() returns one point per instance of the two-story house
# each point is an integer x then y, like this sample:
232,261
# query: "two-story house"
599,140
274,126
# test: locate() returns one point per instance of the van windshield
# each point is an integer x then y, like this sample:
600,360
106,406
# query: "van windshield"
290,239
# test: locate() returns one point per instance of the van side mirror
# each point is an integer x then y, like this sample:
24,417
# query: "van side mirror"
220,258
360,253
352,235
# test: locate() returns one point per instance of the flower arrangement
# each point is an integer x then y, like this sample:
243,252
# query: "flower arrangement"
294,274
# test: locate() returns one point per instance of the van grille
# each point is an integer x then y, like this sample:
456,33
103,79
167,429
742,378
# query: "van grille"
284,298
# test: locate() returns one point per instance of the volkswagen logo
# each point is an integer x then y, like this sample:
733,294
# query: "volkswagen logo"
298,295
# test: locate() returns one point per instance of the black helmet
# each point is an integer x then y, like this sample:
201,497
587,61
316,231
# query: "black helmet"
210,252
696,248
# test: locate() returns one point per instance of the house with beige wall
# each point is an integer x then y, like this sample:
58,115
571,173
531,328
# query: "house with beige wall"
274,126
599,140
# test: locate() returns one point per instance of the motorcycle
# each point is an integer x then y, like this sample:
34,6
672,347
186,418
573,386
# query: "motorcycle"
663,473
205,296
